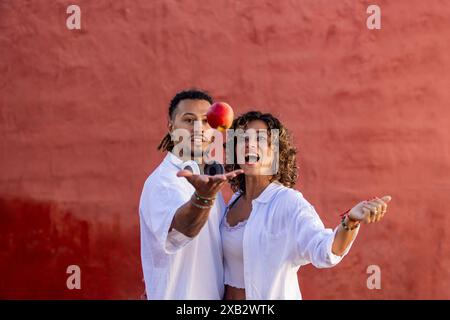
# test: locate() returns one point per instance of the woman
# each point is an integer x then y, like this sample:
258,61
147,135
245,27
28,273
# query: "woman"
269,229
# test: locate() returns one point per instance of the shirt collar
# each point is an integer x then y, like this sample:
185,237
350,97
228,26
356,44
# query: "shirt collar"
269,192
177,162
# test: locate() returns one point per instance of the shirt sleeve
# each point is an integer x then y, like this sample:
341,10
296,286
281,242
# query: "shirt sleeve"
313,241
158,207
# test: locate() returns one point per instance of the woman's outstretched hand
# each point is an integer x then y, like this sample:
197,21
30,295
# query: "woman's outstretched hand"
369,211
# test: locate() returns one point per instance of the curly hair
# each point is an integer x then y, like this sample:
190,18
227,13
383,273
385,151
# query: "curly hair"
287,169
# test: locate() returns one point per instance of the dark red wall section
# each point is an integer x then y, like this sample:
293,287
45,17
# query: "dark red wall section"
82,111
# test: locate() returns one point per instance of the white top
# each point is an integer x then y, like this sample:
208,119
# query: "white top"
233,264
174,265
282,233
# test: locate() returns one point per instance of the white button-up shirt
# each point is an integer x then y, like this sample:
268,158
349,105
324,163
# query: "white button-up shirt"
174,265
283,232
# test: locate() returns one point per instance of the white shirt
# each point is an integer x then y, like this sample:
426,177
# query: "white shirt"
233,254
174,265
283,233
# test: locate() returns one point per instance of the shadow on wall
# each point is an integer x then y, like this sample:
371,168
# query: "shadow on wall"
39,240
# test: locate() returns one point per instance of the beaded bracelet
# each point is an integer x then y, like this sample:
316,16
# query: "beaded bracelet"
200,206
205,200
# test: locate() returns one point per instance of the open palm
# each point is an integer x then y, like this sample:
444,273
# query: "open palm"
369,211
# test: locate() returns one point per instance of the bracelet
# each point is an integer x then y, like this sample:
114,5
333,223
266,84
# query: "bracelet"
345,213
200,206
346,227
205,200
195,192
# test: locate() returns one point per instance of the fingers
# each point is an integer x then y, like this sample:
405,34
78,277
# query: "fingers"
232,174
224,177
219,177
208,185
184,173
377,208
380,210
213,180
382,207
193,179
215,183
371,206
378,217
371,209
366,212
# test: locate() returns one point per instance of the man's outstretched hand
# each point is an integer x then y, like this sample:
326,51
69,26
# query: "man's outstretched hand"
208,186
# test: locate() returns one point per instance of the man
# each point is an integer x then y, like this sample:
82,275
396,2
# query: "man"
180,212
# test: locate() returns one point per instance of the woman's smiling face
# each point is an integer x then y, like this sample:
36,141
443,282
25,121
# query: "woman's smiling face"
276,157
258,151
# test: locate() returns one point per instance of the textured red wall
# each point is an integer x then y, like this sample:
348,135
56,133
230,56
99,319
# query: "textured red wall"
82,112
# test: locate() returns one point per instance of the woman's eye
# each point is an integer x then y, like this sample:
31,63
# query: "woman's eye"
189,120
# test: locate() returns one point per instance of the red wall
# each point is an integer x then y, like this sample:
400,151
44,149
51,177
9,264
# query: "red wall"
82,112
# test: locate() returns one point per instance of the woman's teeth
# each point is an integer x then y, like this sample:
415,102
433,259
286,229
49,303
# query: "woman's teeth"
252,158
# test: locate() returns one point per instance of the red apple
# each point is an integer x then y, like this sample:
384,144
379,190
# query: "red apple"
220,116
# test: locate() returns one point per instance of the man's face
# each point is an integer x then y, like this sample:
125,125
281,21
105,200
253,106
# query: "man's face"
188,113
